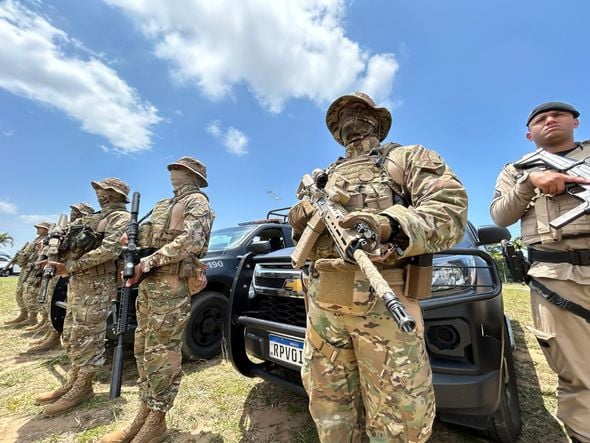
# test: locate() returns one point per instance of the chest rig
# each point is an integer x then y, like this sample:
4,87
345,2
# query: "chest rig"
166,222
535,227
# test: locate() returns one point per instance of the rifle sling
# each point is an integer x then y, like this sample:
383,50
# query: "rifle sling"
578,258
559,301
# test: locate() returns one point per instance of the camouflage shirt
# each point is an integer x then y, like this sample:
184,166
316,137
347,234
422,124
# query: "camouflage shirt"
117,219
190,237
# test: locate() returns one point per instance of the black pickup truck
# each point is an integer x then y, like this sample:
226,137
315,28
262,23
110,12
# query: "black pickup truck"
468,337
204,330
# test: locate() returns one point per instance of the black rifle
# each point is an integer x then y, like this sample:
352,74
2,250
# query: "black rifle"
353,245
120,318
518,266
54,240
568,166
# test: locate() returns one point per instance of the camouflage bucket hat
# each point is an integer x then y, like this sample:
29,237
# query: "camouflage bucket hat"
382,115
119,186
193,165
83,207
43,225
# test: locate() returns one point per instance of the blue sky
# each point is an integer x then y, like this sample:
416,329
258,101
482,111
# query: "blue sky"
120,88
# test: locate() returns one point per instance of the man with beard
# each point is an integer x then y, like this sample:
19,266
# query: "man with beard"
93,284
172,242
356,358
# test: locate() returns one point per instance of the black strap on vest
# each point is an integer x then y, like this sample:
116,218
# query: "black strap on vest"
578,258
559,301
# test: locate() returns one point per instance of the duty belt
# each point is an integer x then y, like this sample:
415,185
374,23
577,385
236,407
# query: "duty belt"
578,258
109,267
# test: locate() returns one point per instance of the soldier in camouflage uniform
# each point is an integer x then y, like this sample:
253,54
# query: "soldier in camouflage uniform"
93,284
355,355
175,239
25,258
51,339
32,284
559,258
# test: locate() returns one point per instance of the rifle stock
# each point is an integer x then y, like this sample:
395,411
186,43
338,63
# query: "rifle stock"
353,245
120,315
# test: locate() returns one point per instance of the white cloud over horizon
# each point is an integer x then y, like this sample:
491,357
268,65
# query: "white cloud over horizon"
234,140
34,65
277,50
7,207
37,218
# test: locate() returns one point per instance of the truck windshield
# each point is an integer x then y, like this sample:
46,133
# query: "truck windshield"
228,237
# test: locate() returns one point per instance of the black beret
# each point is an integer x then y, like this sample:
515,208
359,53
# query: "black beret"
552,106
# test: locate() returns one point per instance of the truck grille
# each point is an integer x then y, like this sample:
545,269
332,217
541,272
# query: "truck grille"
280,309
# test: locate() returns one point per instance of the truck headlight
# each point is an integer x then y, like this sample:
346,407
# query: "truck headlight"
455,273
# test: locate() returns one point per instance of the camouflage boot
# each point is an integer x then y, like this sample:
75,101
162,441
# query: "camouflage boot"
23,315
50,342
125,435
50,397
82,390
154,429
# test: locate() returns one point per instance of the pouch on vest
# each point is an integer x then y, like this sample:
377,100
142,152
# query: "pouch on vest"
419,277
144,237
347,292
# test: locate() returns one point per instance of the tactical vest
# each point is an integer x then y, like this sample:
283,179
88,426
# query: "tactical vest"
368,186
543,209
166,223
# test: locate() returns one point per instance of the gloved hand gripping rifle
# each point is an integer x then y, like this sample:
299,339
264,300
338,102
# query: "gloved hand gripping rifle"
354,245
567,166
54,239
120,316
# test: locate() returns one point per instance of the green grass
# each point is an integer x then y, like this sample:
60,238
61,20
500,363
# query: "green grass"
216,404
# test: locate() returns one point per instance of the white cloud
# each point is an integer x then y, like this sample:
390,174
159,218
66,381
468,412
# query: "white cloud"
8,133
7,208
233,139
37,218
34,64
279,50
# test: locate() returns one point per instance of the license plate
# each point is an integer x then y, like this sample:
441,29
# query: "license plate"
286,349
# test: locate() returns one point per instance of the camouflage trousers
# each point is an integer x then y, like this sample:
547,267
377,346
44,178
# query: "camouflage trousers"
89,300
563,336
377,368
163,309
31,290
20,289
47,305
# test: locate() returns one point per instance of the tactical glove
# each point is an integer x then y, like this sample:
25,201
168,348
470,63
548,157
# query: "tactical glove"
298,217
379,224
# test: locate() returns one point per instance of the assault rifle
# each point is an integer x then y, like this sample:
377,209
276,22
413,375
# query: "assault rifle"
54,239
565,165
120,318
354,245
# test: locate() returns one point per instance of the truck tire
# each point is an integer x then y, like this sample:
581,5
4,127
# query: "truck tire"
204,330
506,424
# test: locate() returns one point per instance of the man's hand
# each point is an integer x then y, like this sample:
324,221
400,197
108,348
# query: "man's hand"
379,224
123,240
137,274
299,215
60,268
553,183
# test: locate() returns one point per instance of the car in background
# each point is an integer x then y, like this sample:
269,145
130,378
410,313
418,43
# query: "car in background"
13,269
468,336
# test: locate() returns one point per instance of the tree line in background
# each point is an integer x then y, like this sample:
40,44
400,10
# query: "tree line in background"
6,239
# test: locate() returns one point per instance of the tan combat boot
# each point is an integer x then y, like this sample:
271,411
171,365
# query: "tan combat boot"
125,435
29,321
52,341
42,339
23,315
38,324
82,390
50,397
154,429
